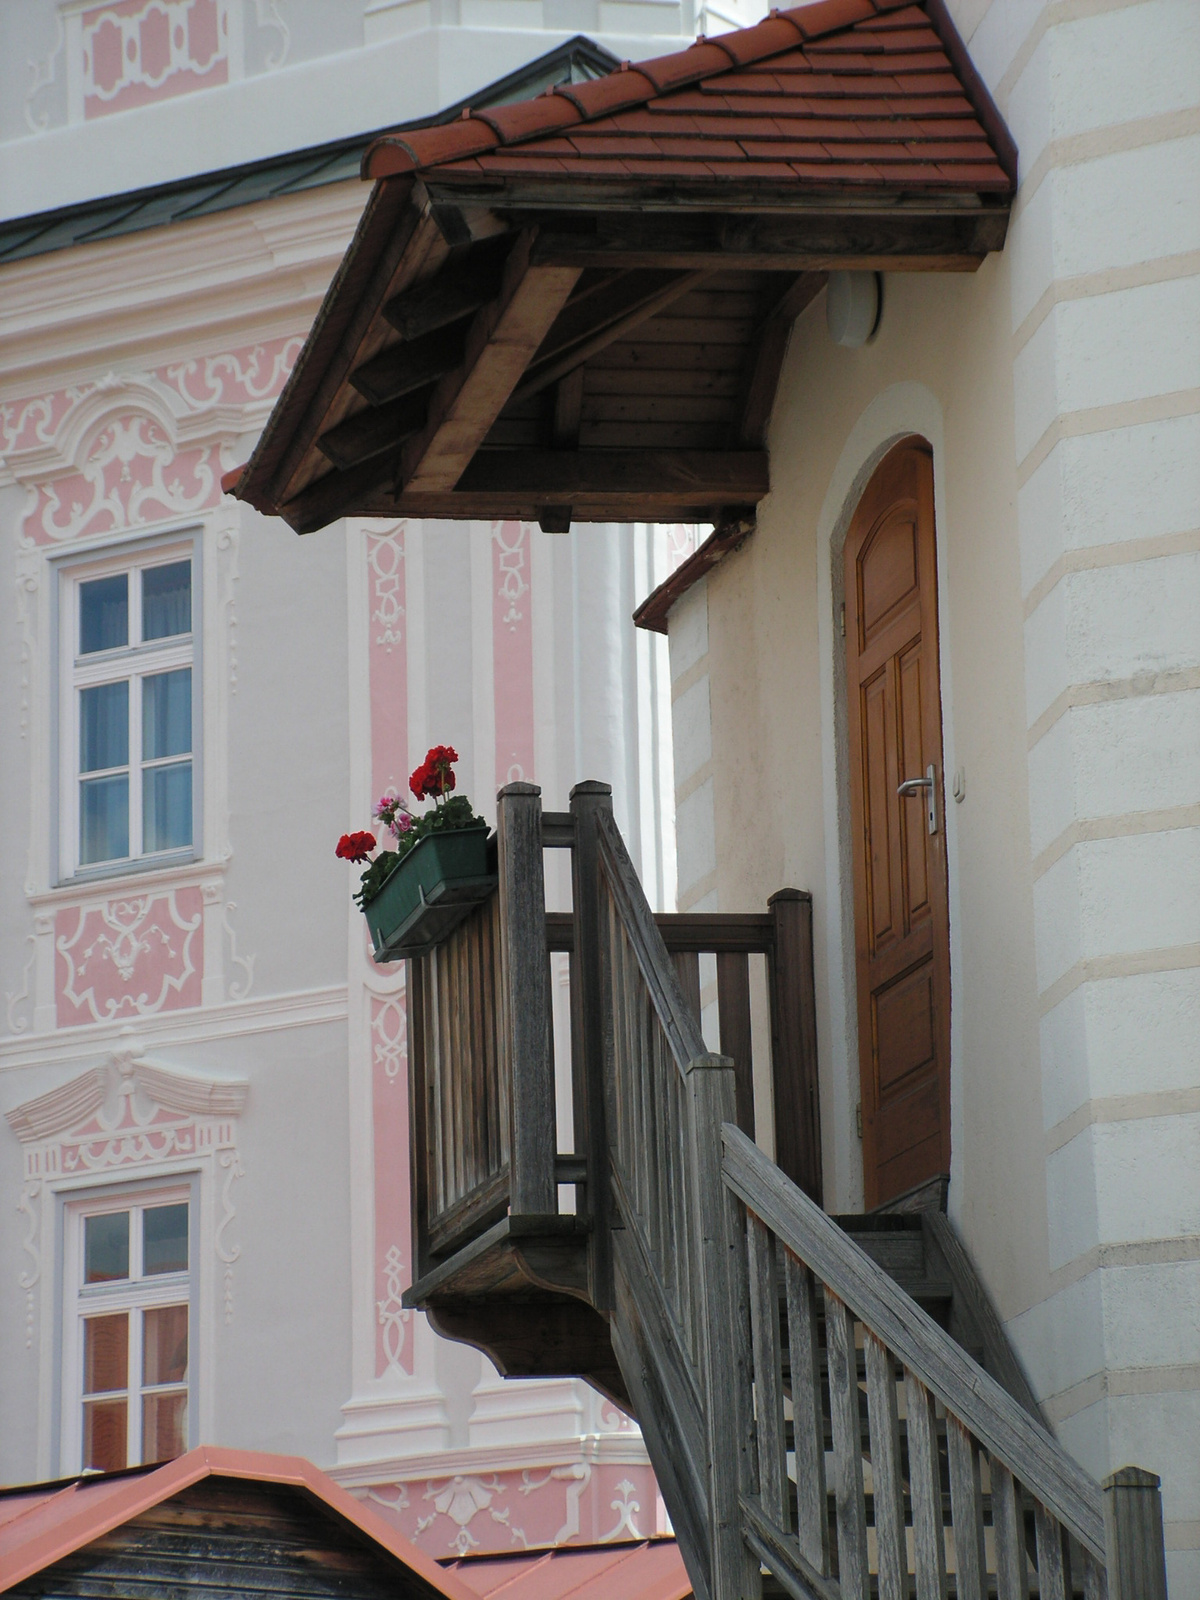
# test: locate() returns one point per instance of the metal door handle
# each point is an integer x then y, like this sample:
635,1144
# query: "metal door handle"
912,786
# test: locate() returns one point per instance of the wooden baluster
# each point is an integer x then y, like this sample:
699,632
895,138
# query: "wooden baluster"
1008,1523
886,1471
1137,1563
591,995
418,1125
1053,1556
854,1574
687,967
1095,1579
733,1007
794,1041
926,1489
966,1509
534,1185
768,1375
808,1426
710,1100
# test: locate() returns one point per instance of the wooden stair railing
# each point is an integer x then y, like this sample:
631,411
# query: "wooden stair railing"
804,1416
753,1332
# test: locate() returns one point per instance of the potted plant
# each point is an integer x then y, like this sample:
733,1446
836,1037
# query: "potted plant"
442,864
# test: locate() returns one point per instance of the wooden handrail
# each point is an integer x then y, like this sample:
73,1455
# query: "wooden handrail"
927,1351
679,1024
694,932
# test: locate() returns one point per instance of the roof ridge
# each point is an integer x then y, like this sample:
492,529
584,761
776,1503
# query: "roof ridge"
477,132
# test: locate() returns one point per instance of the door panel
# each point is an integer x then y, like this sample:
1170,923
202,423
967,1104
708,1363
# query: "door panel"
900,896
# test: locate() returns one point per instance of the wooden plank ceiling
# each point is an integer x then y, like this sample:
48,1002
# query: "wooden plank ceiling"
576,307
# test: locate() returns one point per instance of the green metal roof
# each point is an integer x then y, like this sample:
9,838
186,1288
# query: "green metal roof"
112,216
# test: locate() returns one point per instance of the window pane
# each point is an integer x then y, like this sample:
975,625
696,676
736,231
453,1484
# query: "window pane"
167,807
164,1244
104,726
164,1426
106,1353
104,1434
106,1247
103,819
166,714
104,614
164,1346
167,600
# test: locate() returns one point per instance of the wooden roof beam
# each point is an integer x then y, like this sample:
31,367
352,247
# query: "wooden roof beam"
563,477
578,342
767,364
888,239
502,339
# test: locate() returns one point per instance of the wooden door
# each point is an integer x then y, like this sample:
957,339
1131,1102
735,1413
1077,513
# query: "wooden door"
901,920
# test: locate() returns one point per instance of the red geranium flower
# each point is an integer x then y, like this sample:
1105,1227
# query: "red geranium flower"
434,777
355,846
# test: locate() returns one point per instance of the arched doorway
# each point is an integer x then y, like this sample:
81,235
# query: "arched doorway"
901,914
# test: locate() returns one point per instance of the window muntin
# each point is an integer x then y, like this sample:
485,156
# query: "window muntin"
130,1313
128,717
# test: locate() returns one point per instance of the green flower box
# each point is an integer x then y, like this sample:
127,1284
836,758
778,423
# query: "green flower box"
427,894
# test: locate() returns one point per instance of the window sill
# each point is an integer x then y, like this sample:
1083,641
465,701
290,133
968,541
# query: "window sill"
185,867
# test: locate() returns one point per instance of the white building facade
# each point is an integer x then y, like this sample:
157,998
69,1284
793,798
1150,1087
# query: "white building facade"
1059,392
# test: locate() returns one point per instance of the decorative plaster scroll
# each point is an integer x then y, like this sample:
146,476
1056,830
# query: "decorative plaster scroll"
626,1508
571,1503
28,584
235,377
12,1001
157,415
512,653
238,991
231,1168
125,1115
28,1207
393,1318
385,557
266,14
131,474
227,546
389,1102
512,550
139,51
131,956
41,76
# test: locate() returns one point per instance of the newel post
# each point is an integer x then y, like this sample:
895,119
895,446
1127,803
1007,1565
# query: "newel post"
588,1006
1133,1527
525,968
794,1041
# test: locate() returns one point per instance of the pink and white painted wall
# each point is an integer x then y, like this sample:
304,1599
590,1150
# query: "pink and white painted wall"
137,1005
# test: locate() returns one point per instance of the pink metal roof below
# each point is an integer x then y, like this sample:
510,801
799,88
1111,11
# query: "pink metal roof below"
41,1525
653,1570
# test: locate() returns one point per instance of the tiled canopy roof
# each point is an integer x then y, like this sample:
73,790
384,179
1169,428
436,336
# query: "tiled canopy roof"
841,92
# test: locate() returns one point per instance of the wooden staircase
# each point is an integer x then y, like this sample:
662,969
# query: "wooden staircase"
831,1407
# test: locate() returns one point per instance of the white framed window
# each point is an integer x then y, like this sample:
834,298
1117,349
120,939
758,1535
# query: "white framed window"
129,1309
128,710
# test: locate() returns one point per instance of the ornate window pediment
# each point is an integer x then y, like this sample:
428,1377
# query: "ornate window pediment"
124,1112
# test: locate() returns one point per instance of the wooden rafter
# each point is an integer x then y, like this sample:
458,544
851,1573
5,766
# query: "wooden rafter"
501,340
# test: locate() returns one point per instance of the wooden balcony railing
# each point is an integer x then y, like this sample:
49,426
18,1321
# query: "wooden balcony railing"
484,1114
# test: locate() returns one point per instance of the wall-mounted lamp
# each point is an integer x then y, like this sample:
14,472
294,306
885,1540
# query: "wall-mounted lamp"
853,303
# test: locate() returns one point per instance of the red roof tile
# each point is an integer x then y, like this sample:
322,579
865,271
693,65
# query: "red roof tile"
840,91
